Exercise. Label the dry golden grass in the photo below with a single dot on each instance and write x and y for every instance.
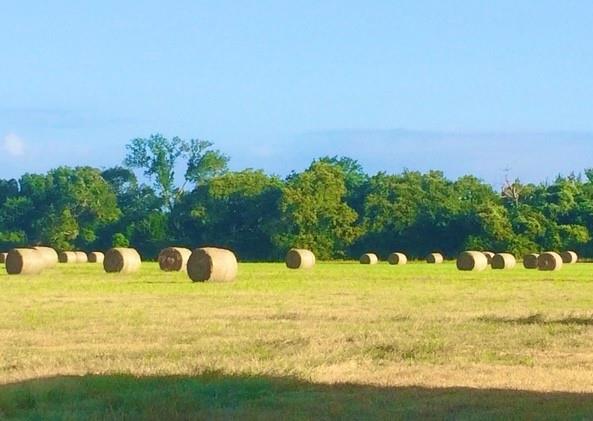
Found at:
(417, 325)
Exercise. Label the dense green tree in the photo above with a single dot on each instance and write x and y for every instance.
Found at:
(546, 217)
(481, 221)
(8, 189)
(355, 179)
(238, 210)
(333, 207)
(64, 208)
(314, 213)
(400, 209)
(420, 213)
(14, 222)
(144, 223)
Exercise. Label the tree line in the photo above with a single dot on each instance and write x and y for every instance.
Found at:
(333, 208)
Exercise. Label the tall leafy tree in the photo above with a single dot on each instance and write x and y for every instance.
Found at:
(159, 156)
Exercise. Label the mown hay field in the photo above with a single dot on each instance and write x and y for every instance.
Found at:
(342, 340)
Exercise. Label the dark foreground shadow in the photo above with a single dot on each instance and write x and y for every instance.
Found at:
(215, 396)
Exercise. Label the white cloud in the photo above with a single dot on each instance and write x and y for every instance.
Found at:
(13, 145)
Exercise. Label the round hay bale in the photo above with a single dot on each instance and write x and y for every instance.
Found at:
(300, 259)
(369, 259)
(489, 255)
(503, 261)
(549, 261)
(67, 257)
(472, 261)
(81, 257)
(3, 257)
(96, 257)
(174, 259)
(212, 264)
(23, 261)
(49, 255)
(569, 257)
(435, 258)
(397, 259)
(530, 261)
(122, 260)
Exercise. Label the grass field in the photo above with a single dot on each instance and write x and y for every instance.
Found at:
(340, 341)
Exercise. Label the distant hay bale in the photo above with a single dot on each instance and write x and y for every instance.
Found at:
(122, 260)
(212, 264)
(472, 261)
(397, 259)
(22, 261)
(49, 255)
(81, 257)
(369, 259)
(3, 257)
(174, 259)
(67, 257)
(435, 258)
(489, 255)
(300, 259)
(96, 257)
(549, 261)
(503, 261)
(530, 261)
(569, 257)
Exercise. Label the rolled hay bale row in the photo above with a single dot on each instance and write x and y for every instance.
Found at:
(122, 260)
(23, 261)
(435, 258)
(472, 261)
(96, 257)
(530, 261)
(369, 259)
(67, 257)
(489, 255)
(300, 259)
(549, 261)
(503, 261)
(174, 259)
(81, 257)
(3, 257)
(49, 255)
(569, 257)
(210, 264)
(397, 259)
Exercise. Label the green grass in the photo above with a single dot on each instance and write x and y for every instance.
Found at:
(342, 340)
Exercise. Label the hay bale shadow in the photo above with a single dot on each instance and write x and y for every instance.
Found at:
(538, 319)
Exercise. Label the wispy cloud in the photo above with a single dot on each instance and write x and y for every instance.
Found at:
(13, 145)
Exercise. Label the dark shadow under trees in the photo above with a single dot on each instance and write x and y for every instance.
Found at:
(217, 396)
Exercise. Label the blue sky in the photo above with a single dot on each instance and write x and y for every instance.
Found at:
(463, 86)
